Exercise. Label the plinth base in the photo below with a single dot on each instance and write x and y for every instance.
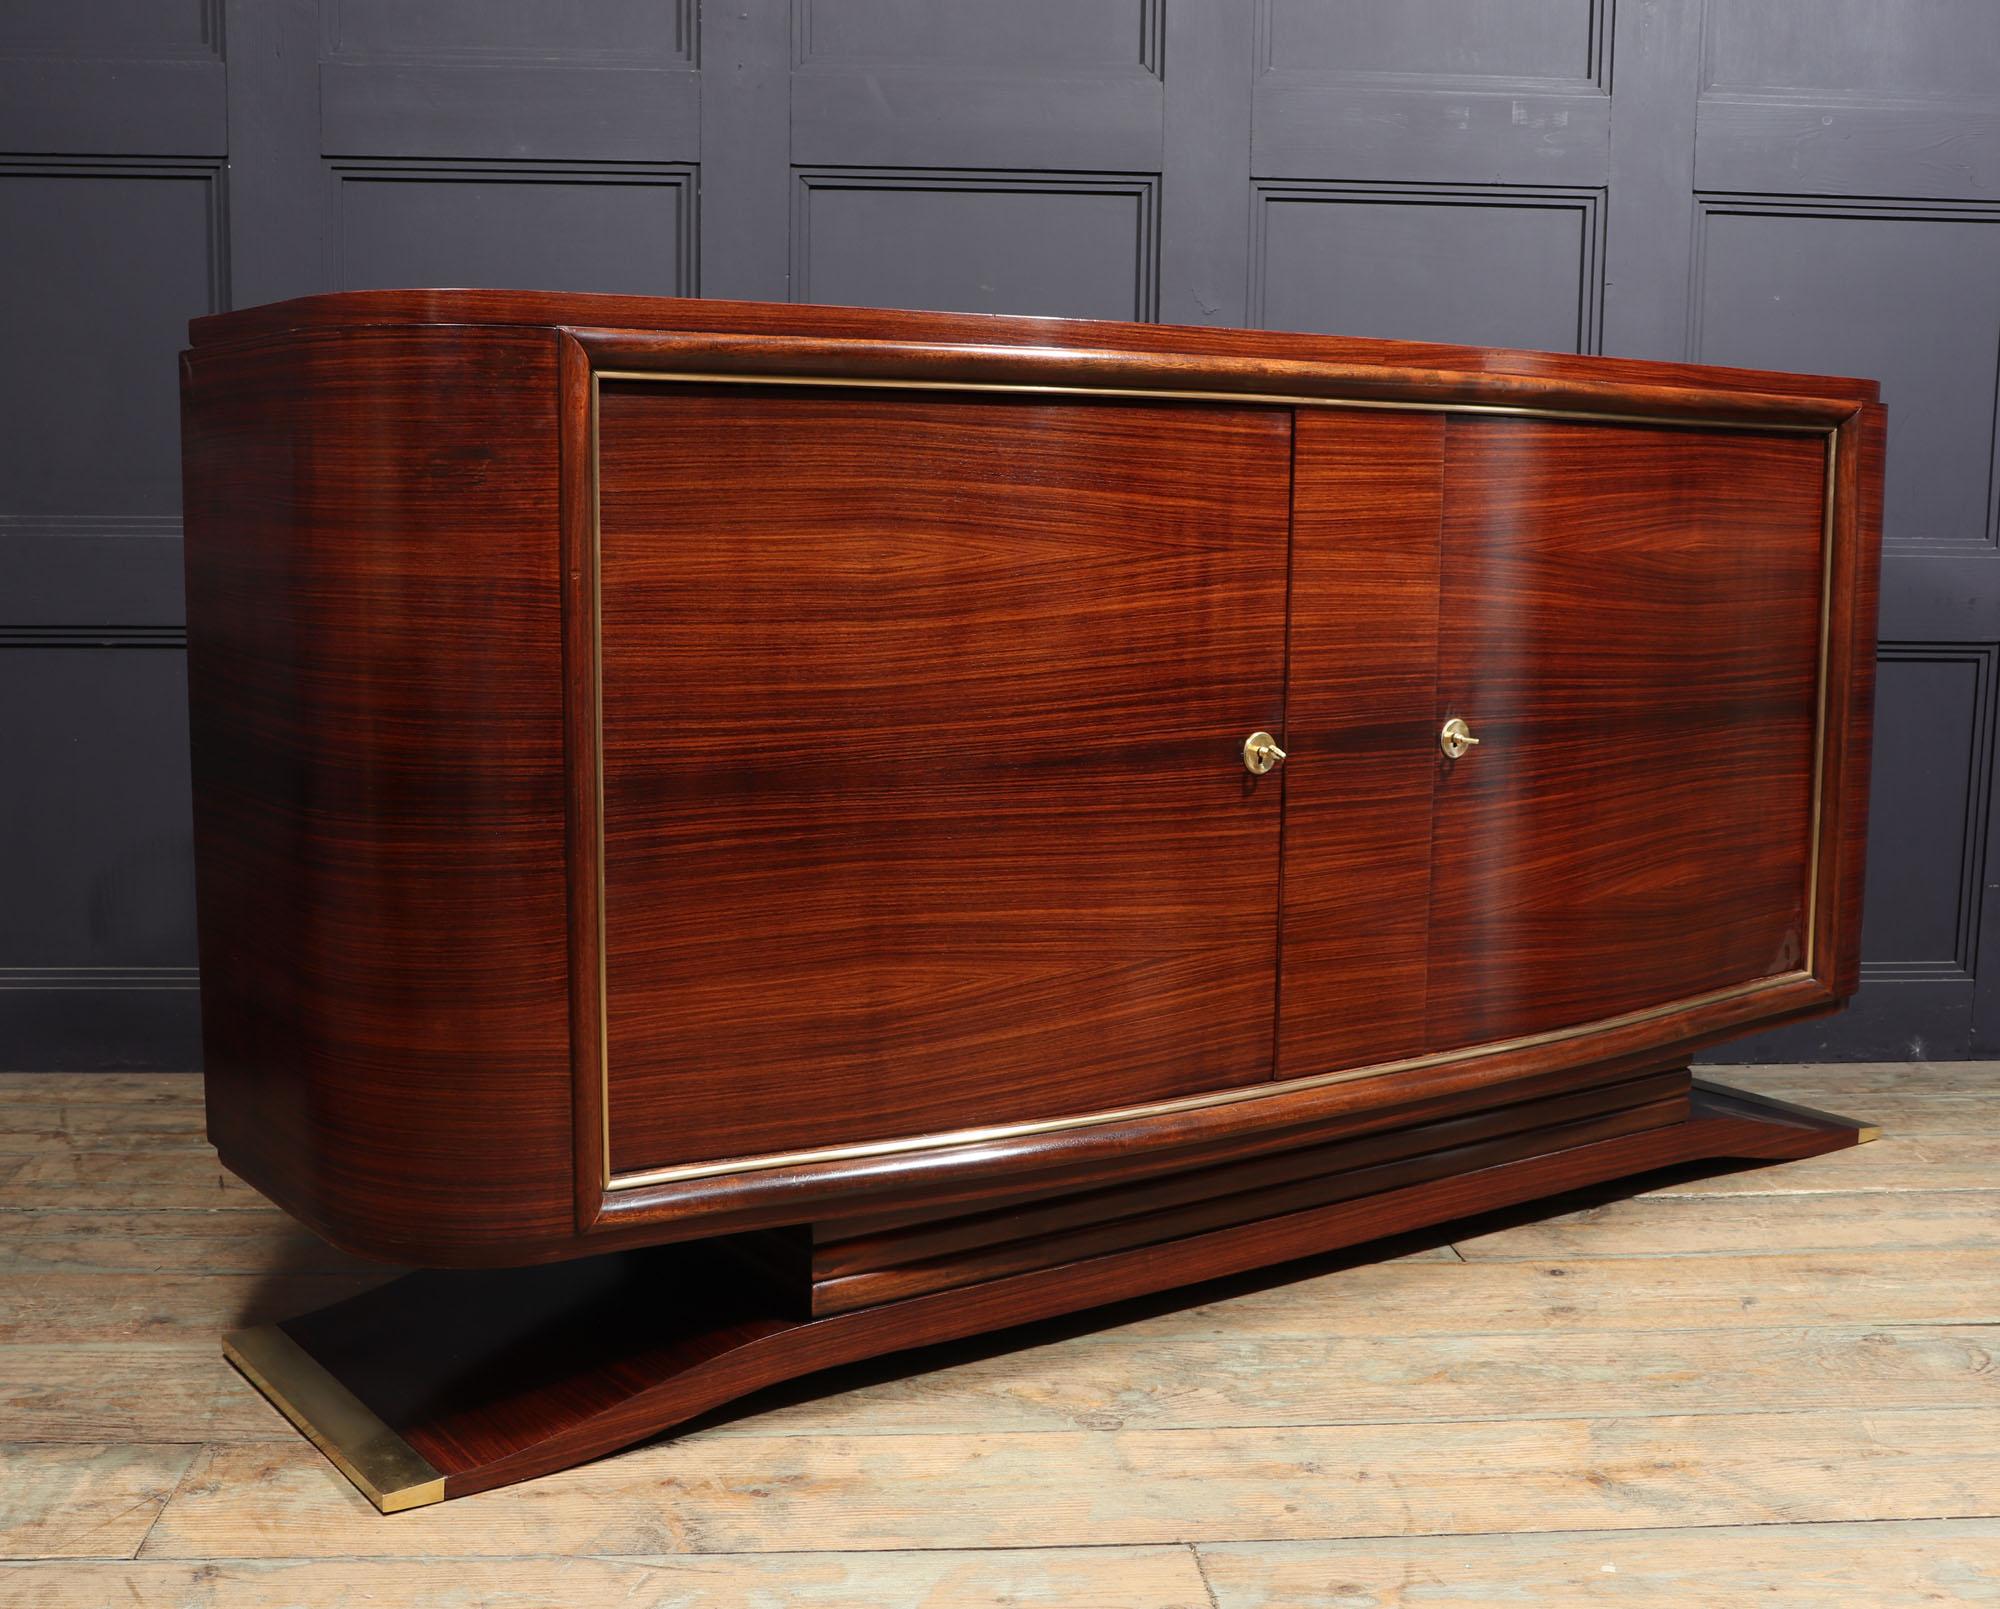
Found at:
(444, 1383)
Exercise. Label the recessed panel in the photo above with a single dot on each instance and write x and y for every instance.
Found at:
(1063, 245)
(546, 230)
(924, 796)
(1933, 711)
(1911, 301)
(1495, 271)
(1044, 35)
(95, 815)
(101, 272)
(1885, 49)
(1503, 39)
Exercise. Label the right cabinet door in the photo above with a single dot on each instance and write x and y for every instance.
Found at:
(1629, 625)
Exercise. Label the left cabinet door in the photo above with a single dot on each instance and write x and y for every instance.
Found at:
(924, 805)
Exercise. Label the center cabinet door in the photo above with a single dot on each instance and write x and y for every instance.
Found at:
(924, 805)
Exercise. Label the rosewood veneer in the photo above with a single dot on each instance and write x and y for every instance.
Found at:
(741, 837)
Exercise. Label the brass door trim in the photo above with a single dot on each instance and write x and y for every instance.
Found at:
(956, 1138)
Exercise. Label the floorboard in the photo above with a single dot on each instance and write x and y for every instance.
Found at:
(1773, 1387)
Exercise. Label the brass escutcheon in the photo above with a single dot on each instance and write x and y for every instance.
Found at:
(1261, 753)
(1456, 738)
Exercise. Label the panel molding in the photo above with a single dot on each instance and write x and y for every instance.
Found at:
(213, 171)
(56, 1018)
(1589, 201)
(80, 636)
(1984, 658)
(115, 527)
(678, 177)
(94, 978)
(1144, 188)
(28, 540)
(65, 1019)
(1709, 206)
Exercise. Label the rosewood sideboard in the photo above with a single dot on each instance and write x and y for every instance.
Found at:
(737, 838)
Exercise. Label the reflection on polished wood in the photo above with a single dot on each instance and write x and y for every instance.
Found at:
(805, 783)
(1633, 618)
(973, 867)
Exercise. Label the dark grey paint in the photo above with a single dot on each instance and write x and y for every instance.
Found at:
(894, 238)
(607, 229)
(1415, 264)
(1475, 40)
(1798, 183)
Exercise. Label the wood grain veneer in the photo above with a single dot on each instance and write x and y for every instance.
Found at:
(945, 826)
(773, 778)
(1630, 619)
(1361, 687)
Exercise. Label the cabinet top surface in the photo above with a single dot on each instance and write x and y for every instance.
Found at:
(343, 310)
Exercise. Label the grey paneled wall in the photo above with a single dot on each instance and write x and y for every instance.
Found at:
(1795, 183)
(113, 233)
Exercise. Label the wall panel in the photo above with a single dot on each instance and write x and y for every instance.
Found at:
(551, 227)
(1494, 267)
(1796, 284)
(106, 261)
(1801, 185)
(1455, 91)
(97, 949)
(1073, 245)
(112, 77)
(509, 78)
(1926, 848)
(966, 84)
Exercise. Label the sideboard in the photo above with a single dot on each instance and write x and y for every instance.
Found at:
(737, 838)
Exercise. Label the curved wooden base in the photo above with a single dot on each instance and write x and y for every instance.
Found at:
(445, 1383)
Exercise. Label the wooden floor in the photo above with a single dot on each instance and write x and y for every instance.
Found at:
(1778, 1387)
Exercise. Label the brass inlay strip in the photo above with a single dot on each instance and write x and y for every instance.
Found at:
(1152, 394)
(1819, 706)
(958, 1138)
(596, 574)
(389, 1471)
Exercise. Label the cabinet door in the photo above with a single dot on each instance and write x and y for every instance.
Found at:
(1630, 625)
(924, 802)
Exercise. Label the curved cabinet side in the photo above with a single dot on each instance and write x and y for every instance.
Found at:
(375, 677)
